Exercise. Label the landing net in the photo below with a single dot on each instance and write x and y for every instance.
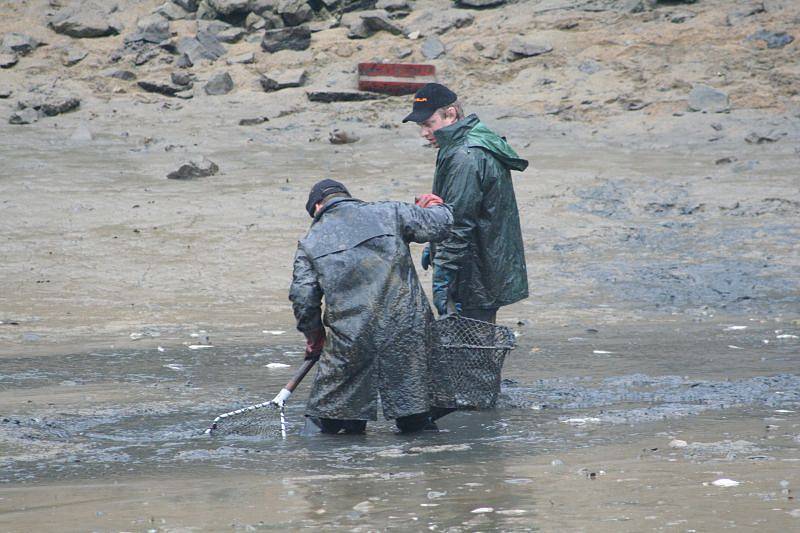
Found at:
(467, 360)
(263, 419)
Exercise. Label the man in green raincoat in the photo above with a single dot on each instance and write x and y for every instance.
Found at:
(481, 266)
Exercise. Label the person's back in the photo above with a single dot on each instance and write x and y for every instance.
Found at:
(377, 316)
(360, 253)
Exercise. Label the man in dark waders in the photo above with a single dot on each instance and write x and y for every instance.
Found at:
(481, 266)
(373, 339)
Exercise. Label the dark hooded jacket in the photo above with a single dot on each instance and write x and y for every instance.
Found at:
(377, 317)
(484, 256)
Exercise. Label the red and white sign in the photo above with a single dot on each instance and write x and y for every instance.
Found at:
(394, 78)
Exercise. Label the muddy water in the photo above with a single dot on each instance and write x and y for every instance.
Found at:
(664, 308)
(112, 440)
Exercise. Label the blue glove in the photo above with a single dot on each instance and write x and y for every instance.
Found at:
(426, 258)
(442, 279)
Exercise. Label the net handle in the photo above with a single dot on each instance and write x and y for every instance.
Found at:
(300, 374)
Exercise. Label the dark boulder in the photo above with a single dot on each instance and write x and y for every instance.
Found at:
(295, 38)
(84, 20)
(219, 83)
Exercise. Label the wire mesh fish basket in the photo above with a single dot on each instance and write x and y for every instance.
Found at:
(466, 362)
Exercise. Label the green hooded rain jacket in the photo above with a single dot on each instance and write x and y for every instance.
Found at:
(484, 257)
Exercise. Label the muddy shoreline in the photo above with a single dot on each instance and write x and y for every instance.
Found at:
(658, 352)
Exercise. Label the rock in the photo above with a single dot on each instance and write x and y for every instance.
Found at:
(188, 5)
(231, 35)
(173, 11)
(185, 95)
(19, 43)
(378, 20)
(73, 56)
(260, 7)
(492, 52)
(152, 29)
(24, 116)
(366, 23)
(432, 48)
(282, 80)
(5, 92)
(705, 98)
(84, 19)
(243, 59)
(229, 7)
(294, 12)
(196, 168)
(205, 11)
(771, 136)
(125, 75)
(633, 6)
(167, 89)
(439, 22)
(219, 83)
(181, 78)
(772, 39)
(393, 6)
(144, 56)
(342, 137)
(403, 53)
(255, 22)
(480, 4)
(211, 43)
(8, 60)
(196, 50)
(184, 61)
(50, 105)
(680, 17)
(519, 49)
(296, 38)
(739, 15)
(357, 29)
(589, 66)
(342, 96)
(57, 105)
(253, 121)
(212, 26)
(273, 21)
(678, 443)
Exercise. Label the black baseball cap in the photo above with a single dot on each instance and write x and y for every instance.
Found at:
(428, 99)
(320, 190)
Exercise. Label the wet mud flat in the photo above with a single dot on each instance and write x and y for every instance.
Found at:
(601, 428)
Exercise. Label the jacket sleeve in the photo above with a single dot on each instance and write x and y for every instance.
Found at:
(305, 294)
(462, 191)
(431, 224)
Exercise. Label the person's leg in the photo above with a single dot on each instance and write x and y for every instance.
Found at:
(332, 426)
(415, 422)
(438, 412)
(486, 315)
(354, 427)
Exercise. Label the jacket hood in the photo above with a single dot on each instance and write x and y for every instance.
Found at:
(476, 134)
(483, 137)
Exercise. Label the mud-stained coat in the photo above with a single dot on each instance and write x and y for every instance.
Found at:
(377, 316)
(485, 253)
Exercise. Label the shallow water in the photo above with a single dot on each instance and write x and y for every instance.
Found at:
(583, 406)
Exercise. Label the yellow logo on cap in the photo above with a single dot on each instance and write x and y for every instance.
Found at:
(420, 99)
